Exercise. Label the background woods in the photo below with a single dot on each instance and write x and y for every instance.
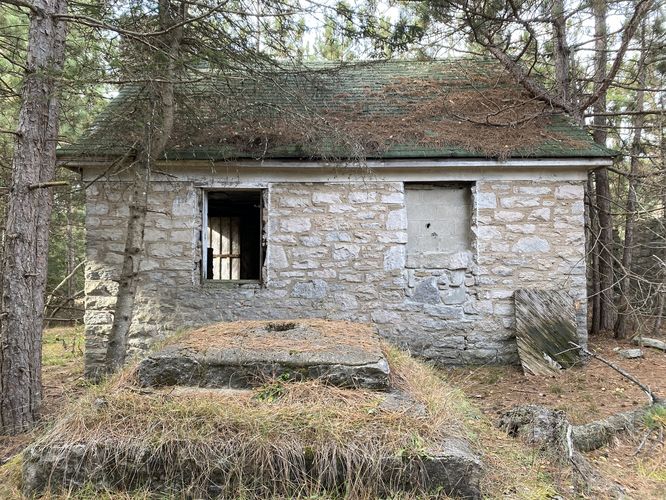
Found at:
(602, 61)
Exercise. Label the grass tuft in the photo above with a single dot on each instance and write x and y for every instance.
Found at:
(655, 418)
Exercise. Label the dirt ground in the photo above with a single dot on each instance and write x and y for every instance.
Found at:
(587, 393)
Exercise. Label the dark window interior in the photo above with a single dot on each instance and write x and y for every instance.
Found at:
(234, 235)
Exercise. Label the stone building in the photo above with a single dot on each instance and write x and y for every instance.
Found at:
(414, 195)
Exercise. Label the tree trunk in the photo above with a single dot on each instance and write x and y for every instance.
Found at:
(122, 318)
(622, 328)
(606, 267)
(27, 228)
(661, 291)
(561, 52)
(600, 135)
(659, 314)
(592, 226)
(158, 131)
(71, 251)
(603, 247)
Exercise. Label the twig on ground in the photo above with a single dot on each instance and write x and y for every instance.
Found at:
(653, 398)
(643, 441)
(525, 391)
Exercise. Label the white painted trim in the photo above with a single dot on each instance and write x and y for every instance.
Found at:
(204, 238)
(398, 163)
(217, 167)
(260, 178)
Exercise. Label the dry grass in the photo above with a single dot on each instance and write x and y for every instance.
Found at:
(296, 440)
(492, 117)
(302, 335)
(301, 440)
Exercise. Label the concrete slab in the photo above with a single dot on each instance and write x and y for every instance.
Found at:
(248, 353)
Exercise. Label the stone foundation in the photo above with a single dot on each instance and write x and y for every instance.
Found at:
(339, 251)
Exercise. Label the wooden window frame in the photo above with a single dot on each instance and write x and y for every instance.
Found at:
(205, 242)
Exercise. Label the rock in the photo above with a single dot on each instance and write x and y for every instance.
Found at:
(551, 431)
(318, 197)
(455, 296)
(569, 192)
(247, 354)
(447, 466)
(397, 401)
(532, 244)
(427, 292)
(486, 200)
(594, 435)
(454, 469)
(295, 225)
(631, 353)
(648, 342)
(444, 311)
(396, 220)
(537, 425)
(278, 257)
(394, 258)
(459, 260)
(314, 289)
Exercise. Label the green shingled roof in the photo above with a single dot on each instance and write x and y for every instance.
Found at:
(398, 109)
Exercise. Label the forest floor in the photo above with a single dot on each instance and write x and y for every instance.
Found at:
(586, 393)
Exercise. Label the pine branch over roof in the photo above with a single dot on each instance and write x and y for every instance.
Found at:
(397, 109)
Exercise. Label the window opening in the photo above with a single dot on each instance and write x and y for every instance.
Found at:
(232, 235)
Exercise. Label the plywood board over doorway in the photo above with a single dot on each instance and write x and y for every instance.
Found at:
(545, 331)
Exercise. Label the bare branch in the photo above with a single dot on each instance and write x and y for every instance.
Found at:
(37, 9)
(628, 32)
(41, 185)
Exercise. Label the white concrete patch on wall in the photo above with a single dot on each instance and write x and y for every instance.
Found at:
(439, 221)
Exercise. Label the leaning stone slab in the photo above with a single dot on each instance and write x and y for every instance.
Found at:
(545, 331)
(248, 353)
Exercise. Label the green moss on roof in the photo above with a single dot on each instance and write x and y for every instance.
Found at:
(398, 109)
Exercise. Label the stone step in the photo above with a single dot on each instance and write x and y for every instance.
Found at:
(449, 468)
(247, 354)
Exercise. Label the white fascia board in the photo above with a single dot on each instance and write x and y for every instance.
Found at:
(586, 163)
(257, 172)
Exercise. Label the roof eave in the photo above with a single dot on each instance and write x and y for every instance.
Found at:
(583, 162)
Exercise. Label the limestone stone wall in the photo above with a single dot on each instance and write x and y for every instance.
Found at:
(338, 250)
